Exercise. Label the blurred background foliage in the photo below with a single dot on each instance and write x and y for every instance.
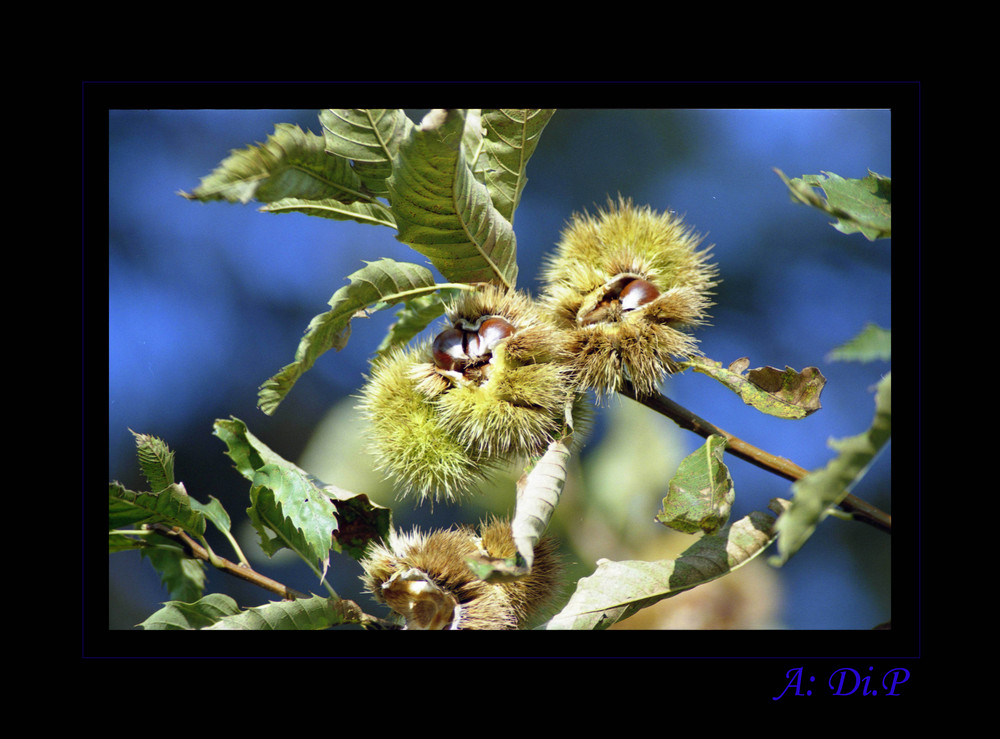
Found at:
(206, 301)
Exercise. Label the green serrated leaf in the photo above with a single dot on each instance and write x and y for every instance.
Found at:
(369, 138)
(511, 138)
(180, 616)
(873, 343)
(372, 213)
(155, 460)
(170, 506)
(701, 493)
(617, 590)
(781, 393)
(821, 490)
(860, 206)
(443, 211)
(376, 286)
(302, 614)
(292, 163)
(247, 451)
(359, 520)
(298, 514)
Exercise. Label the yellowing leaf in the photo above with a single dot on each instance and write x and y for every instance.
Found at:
(616, 590)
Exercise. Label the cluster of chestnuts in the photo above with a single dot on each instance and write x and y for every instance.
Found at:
(620, 294)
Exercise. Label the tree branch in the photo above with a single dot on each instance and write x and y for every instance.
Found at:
(859, 509)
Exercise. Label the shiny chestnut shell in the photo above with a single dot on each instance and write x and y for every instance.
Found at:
(449, 349)
(492, 331)
(455, 347)
(637, 293)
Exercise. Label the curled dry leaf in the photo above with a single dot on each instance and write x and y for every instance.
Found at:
(783, 393)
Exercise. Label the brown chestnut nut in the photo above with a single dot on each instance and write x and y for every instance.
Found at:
(637, 293)
(492, 331)
(449, 349)
(624, 294)
(454, 347)
(472, 344)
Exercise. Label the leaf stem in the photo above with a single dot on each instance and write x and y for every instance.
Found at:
(244, 562)
(859, 509)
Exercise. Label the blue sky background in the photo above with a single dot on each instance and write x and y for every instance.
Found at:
(206, 301)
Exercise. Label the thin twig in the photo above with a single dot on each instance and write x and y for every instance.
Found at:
(860, 509)
(197, 551)
(350, 608)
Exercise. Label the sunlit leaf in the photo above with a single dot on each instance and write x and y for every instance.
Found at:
(247, 451)
(443, 212)
(378, 285)
(357, 519)
(292, 163)
(368, 138)
(221, 613)
(214, 512)
(373, 213)
(617, 590)
(155, 460)
(538, 493)
(289, 512)
(302, 614)
(179, 616)
(511, 138)
(414, 316)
